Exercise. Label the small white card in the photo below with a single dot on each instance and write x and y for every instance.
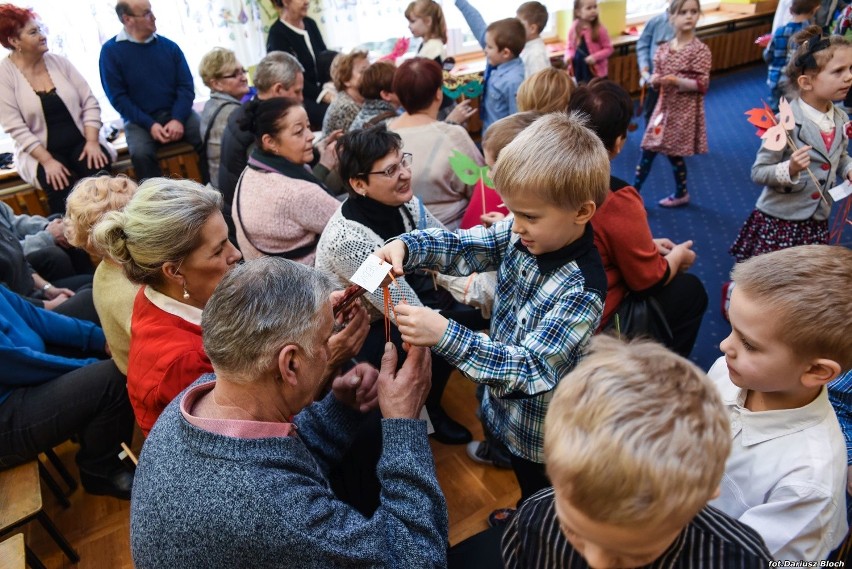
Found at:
(424, 414)
(844, 190)
(371, 273)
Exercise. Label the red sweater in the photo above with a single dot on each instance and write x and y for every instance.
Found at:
(166, 355)
(629, 254)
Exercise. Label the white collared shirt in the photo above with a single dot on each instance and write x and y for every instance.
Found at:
(124, 36)
(786, 476)
(824, 121)
(167, 304)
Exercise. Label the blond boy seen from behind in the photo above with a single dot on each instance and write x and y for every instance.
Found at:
(635, 440)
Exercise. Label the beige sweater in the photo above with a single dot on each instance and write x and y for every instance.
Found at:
(114, 295)
(432, 178)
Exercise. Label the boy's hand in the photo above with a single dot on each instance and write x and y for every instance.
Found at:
(849, 176)
(800, 160)
(393, 253)
(849, 481)
(492, 217)
(461, 113)
(420, 326)
(664, 245)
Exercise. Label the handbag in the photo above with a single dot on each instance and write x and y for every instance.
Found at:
(641, 316)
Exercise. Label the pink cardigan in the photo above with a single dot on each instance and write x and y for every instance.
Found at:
(601, 49)
(22, 116)
(279, 213)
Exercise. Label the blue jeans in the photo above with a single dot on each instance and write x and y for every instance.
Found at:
(143, 148)
(90, 402)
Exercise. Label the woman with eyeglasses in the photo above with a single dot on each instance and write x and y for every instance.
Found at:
(381, 205)
(418, 84)
(280, 208)
(47, 107)
(228, 82)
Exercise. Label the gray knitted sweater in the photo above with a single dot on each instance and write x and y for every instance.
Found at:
(205, 500)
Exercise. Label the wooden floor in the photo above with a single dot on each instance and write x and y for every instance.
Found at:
(98, 527)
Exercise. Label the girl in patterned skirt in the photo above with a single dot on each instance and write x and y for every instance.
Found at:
(794, 206)
(677, 127)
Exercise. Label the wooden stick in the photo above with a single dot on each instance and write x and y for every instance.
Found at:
(482, 191)
(130, 454)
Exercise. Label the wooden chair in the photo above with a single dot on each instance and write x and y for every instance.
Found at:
(50, 481)
(20, 502)
(12, 555)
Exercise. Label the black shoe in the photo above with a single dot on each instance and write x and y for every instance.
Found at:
(117, 485)
(447, 430)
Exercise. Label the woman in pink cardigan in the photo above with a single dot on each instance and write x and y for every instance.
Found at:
(48, 109)
(588, 48)
(280, 207)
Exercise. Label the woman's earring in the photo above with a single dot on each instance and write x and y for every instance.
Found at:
(185, 292)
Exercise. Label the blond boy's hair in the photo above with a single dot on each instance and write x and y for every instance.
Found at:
(546, 91)
(636, 434)
(807, 290)
(502, 132)
(92, 198)
(557, 159)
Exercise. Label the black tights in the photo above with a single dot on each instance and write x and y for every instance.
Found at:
(678, 166)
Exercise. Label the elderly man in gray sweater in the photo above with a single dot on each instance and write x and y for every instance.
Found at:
(235, 471)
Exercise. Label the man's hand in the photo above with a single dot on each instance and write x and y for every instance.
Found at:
(799, 161)
(56, 173)
(158, 133)
(358, 389)
(174, 130)
(94, 155)
(344, 344)
(56, 228)
(402, 393)
(420, 326)
(393, 253)
(327, 148)
(54, 302)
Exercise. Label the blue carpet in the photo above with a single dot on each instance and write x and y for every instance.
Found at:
(721, 191)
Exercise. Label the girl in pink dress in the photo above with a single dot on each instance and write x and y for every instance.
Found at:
(677, 127)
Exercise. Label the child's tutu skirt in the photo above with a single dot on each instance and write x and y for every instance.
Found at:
(762, 233)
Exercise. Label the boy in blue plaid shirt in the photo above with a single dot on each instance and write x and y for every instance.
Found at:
(781, 47)
(550, 283)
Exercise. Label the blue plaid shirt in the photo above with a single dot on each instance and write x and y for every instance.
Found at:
(546, 308)
(840, 395)
(780, 49)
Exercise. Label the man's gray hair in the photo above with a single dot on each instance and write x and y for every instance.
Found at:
(276, 67)
(258, 308)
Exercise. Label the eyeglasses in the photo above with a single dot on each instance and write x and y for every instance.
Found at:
(236, 73)
(392, 170)
(147, 14)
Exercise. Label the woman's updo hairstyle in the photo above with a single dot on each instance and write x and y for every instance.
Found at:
(813, 54)
(161, 224)
(265, 116)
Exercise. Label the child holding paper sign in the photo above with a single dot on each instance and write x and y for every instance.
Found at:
(550, 283)
(794, 207)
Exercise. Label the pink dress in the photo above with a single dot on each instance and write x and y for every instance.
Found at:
(677, 127)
